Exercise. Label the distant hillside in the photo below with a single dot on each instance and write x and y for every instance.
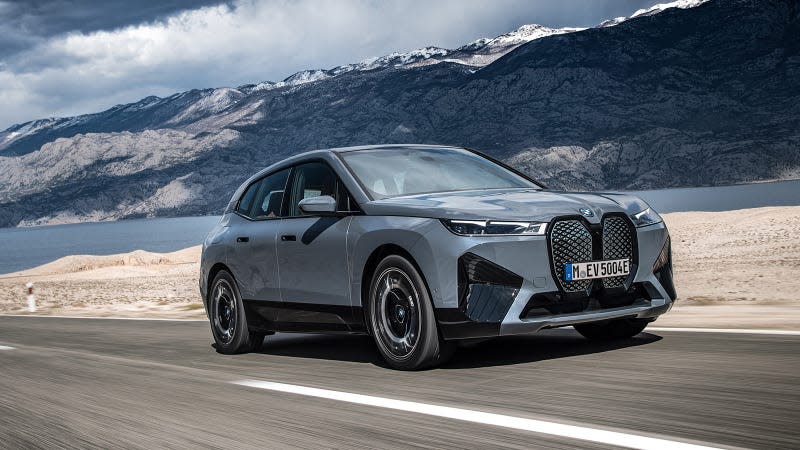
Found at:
(672, 97)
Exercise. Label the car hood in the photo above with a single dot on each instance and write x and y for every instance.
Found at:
(506, 204)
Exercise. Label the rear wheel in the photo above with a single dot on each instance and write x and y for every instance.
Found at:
(401, 319)
(228, 320)
(612, 329)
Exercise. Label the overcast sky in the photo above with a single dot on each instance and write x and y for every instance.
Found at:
(68, 57)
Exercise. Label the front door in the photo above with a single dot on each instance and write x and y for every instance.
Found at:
(312, 255)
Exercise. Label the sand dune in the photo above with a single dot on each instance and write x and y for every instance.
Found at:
(135, 284)
(732, 269)
(84, 263)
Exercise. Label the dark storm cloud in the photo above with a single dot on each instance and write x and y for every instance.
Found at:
(61, 57)
(27, 22)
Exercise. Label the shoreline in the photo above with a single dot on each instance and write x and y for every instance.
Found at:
(733, 269)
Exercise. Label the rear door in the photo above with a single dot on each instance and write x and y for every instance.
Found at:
(312, 253)
(253, 259)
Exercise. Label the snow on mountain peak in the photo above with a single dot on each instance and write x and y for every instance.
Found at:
(212, 101)
(426, 55)
(302, 77)
(612, 22)
(476, 55)
(655, 9)
(521, 35)
(527, 33)
(263, 86)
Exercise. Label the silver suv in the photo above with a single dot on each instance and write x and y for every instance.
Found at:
(420, 246)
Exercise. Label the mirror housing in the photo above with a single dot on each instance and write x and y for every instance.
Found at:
(323, 205)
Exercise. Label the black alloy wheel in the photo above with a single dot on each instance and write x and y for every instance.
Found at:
(401, 318)
(228, 320)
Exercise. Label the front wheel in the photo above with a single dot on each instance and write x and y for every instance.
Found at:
(401, 319)
(228, 320)
(612, 329)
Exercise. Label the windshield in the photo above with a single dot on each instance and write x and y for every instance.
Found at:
(394, 172)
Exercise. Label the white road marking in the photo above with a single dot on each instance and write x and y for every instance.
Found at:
(726, 330)
(106, 318)
(5, 347)
(537, 426)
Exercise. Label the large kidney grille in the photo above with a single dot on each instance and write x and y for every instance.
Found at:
(571, 241)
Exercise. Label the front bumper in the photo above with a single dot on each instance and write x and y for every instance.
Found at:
(538, 301)
(640, 309)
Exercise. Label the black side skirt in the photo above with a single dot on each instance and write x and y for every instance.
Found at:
(266, 316)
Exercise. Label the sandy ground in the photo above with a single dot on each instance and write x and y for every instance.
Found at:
(136, 284)
(736, 268)
(733, 269)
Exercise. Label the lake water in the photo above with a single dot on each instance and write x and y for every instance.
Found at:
(723, 198)
(23, 248)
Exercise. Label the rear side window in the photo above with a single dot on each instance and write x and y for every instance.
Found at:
(270, 196)
(246, 202)
(263, 199)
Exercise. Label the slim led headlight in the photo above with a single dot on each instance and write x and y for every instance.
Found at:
(494, 227)
(645, 218)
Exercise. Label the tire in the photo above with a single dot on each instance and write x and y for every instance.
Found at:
(228, 320)
(400, 317)
(612, 329)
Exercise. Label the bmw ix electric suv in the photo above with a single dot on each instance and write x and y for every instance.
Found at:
(420, 246)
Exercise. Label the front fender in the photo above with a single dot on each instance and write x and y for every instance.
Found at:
(368, 233)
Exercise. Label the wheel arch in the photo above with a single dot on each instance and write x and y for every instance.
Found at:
(375, 258)
(212, 273)
(378, 236)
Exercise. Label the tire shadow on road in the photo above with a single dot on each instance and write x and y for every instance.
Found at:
(552, 344)
(349, 348)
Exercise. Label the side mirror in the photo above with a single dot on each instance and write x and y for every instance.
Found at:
(323, 205)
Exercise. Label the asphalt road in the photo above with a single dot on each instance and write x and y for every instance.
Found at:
(120, 383)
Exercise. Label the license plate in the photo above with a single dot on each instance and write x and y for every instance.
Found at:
(596, 269)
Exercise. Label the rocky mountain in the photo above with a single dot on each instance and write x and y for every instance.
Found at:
(185, 108)
(685, 93)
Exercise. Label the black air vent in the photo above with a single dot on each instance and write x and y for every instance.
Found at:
(486, 290)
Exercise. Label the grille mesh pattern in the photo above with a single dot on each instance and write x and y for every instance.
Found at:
(617, 244)
(570, 242)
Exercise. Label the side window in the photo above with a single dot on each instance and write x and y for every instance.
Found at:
(267, 195)
(270, 196)
(246, 202)
(343, 200)
(311, 180)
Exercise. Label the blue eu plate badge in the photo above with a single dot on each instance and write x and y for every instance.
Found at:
(596, 269)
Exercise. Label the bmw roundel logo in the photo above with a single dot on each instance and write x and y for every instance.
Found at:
(587, 212)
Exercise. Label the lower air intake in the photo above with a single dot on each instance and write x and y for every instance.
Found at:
(486, 290)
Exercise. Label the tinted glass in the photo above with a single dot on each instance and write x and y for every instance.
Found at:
(246, 202)
(407, 171)
(270, 196)
(311, 180)
(344, 202)
(262, 200)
